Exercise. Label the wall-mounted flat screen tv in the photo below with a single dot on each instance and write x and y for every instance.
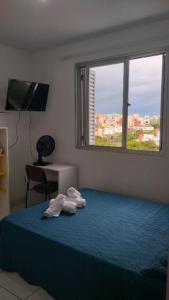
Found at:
(25, 95)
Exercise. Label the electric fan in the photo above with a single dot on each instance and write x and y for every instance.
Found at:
(45, 146)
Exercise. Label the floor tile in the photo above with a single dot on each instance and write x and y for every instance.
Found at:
(40, 295)
(5, 295)
(16, 285)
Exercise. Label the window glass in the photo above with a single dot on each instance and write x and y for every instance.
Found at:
(106, 105)
(145, 79)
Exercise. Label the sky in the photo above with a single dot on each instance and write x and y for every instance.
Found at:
(144, 87)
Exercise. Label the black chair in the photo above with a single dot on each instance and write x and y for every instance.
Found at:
(42, 185)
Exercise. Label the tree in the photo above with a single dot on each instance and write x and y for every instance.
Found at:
(148, 145)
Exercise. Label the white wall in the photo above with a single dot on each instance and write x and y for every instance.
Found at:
(131, 174)
(15, 63)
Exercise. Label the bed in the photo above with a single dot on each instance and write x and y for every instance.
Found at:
(102, 252)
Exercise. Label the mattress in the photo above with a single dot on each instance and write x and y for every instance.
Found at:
(98, 253)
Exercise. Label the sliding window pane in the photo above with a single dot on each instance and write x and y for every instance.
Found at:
(106, 105)
(144, 113)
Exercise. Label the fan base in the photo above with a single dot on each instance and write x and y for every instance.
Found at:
(42, 163)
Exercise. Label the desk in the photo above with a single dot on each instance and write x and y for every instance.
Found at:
(66, 175)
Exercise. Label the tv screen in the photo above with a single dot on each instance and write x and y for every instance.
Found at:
(25, 95)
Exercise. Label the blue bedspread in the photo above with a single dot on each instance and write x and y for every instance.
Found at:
(99, 253)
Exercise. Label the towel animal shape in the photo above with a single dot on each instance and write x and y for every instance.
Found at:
(75, 196)
(68, 203)
(72, 192)
(68, 206)
(55, 207)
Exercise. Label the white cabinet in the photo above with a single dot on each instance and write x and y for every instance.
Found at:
(66, 175)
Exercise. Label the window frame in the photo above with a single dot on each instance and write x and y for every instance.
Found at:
(82, 105)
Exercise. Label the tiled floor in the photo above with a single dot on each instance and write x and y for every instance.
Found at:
(13, 287)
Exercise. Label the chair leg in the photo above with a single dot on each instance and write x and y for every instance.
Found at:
(46, 196)
(26, 204)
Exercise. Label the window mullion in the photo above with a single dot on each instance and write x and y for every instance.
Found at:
(82, 121)
(86, 107)
(163, 84)
(125, 103)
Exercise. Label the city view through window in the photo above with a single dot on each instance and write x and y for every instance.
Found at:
(144, 104)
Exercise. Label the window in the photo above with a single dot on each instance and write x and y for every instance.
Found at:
(119, 103)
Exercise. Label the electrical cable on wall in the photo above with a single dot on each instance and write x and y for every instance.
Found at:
(2, 107)
(17, 135)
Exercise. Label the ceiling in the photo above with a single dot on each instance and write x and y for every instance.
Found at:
(37, 24)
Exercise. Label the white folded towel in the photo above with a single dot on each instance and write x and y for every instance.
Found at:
(75, 196)
(51, 201)
(55, 207)
(68, 203)
(80, 202)
(70, 207)
(72, 192)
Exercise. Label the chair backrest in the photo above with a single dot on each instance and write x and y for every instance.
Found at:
(35, 174)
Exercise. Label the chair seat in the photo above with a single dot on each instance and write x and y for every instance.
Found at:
(52, 186)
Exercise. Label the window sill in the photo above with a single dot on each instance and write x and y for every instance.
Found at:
(121, 150)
